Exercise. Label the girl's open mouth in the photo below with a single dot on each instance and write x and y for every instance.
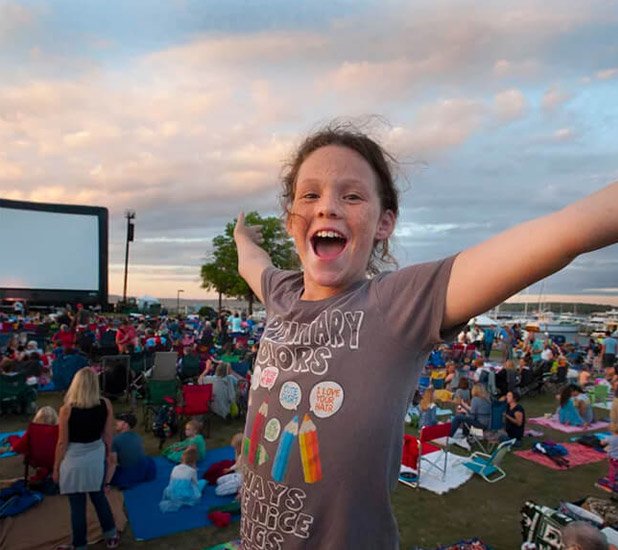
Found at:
(328, 244)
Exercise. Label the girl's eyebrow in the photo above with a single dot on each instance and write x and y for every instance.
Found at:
(345, 181)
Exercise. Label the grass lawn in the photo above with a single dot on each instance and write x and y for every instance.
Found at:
(489, 511)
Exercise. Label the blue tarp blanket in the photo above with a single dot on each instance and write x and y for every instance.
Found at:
(3, 442)
(50, 386)
(142, 501)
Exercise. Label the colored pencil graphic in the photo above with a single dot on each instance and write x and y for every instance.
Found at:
(261, 456)
(256, 431)
(246, 442)
(310, 451)
(282, 456)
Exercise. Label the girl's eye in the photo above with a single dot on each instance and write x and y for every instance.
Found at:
(352, 197)
(309, 195)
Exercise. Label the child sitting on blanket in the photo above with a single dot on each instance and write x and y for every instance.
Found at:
(19, 444)
(230, 483)
(184, 489)
(193, 438)
(568, 414)
(582, 404)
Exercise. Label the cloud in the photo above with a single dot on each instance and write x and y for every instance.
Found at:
(607, 74)
(527, 67)
(189, 128)
(563, 134)
(10, 171)
(15, 19)
(436, 127)
(510, 105)
(553, 98)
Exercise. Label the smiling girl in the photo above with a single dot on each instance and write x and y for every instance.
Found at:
(344, 343)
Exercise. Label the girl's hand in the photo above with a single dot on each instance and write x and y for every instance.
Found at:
(252, 233)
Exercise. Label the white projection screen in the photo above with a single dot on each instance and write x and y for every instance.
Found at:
(53, 252)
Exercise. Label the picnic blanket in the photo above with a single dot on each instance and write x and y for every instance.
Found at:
(431, 478)
(578, 455)
(3, 437)
(555, 425)
(50, 386)
(542, 526)
(48, 524)
(142, 501)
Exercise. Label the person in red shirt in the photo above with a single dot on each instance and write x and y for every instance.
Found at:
(65, 336)
(126, 337)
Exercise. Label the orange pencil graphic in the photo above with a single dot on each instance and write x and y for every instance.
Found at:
(310, 451)
(256, 431)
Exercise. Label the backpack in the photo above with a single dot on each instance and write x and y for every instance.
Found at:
(554, 451)
(165, 423)
(590, 441)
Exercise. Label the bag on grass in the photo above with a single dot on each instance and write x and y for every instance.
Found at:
(590, 441)
(554, 451)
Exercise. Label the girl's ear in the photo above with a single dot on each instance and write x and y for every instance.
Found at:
(288, 224)
(386, 225)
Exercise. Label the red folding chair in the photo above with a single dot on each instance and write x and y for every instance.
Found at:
(417, 450)
(38, 445)
(195, 400)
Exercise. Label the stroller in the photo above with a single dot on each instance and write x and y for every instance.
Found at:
(532, 381)
(553, 383)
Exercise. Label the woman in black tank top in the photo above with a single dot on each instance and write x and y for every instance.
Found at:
(84, 446)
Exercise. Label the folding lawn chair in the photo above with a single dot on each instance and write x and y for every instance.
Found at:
(39, 448)
(189, 367)
(15, 394)
(164, 365)
(195, 400)
(157, 394)
(421, 449)
(115, 375)
(600, 393)
(488, 465)
(487, 438)
(107, 343)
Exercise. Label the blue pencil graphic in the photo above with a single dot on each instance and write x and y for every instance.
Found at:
(282, 456)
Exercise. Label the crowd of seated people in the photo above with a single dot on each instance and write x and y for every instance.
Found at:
(534, 362)
(81, 336)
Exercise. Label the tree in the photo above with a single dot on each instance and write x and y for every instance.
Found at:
(221, 272)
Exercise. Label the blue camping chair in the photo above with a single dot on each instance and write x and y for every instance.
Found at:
(488, 466)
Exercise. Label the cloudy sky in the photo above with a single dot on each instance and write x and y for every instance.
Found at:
(184, 111)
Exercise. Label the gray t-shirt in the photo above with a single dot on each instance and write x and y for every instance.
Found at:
(480, 409)
(324, 431)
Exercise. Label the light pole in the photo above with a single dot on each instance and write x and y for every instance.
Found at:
(130, 215)
(178, 301)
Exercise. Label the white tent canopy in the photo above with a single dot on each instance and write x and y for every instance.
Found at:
(146, 301)
(483, 321)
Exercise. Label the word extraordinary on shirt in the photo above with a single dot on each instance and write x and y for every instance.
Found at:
(307, 347)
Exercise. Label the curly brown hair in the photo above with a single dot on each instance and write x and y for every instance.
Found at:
(381, 162)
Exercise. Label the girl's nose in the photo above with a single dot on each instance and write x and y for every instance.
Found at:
(329, 207)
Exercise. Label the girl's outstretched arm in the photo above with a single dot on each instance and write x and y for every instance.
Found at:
(485, 275)
(252, 259)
